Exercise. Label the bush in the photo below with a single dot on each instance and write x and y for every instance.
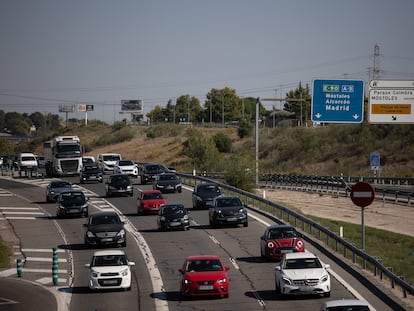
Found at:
(223, 142)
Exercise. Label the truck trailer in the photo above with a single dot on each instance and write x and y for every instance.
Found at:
(63, 156)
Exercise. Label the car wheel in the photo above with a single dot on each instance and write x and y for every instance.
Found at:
(226, 296)
(246, 224)
(108, 194)
(328, 294)
(123, 244)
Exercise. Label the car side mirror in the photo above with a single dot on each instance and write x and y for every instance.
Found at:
(262, 237)
(327, 266)
(131, 263)
(226, 268)
(85, 225)
(277, 268)
(181, 270)
(87, 265)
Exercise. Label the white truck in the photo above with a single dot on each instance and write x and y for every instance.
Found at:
(63, 156)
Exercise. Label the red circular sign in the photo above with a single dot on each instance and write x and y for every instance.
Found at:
(362, 194)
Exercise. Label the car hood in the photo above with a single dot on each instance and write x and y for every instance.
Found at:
(127, 167)
(106, 228)
(283, 242)
(174, 217)
(206, 275)
(106, 269)
(72, 203)
(314, 273)
(229, 210)
(59, 190)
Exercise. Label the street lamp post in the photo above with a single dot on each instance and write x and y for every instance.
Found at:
(222, 109)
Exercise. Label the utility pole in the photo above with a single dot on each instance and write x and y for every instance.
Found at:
(376, 69)
(222, 109)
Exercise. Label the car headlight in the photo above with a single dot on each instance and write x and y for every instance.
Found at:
(223, 280)
(241, 210)
(324, 278)
(121, 233)
(286, 280)
(94, 274)
(89, 234)
(199, 199)
(162, 218)
(185, 217)
(61, 206)
(125, 272)
(270, 244)
(129, 187)
(187, 281)
(178, 185)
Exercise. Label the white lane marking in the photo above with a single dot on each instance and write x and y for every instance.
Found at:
(212, 237)
(21, 218)
(23, 213)
(42, 270)
(19, 208)
(234, 263)
(46, 281)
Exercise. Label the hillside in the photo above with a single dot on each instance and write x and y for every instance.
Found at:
(324, 150)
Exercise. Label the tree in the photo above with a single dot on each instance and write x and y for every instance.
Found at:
(301, 109)
(188, 109)
(225, 99)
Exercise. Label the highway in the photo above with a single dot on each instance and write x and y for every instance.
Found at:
(158, 255)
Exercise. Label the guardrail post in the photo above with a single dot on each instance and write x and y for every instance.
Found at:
(392, 281)
(55, 267)
(19, 266)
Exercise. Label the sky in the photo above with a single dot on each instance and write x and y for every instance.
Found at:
(99, 52)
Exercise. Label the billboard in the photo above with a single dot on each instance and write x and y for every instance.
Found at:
(135, 106)
(84, 108)
(66, 108)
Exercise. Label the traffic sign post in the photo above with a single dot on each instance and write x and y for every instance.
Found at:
(362, 194)
(337, 101)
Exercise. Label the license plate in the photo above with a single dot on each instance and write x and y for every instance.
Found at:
(106, 240)
(175, 223)
(285, 251)
(205, 287)
(110, 282)
(232, 219)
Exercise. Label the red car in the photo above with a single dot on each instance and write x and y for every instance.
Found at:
(204, 275)
(150, 201)
(278, 240)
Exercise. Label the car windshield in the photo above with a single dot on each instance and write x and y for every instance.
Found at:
(167, 177)
(208, 189)
(60, 184)
(109, 260)
(282, 233)
(120, 179)
(125, 163)
(152, 196)
(229, 202)
(173, 210)
(204, 265)
(73, 197)
(91, 168)
(110, 158)
(152, 168)
(302, 263)
(105, 220)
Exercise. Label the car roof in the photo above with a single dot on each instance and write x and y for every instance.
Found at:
(345, 302)
(300, 255)
(279, 227)
(202, 257)
(109, 252)
(109, 213)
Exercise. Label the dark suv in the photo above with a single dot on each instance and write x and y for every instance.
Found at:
(149, 171)
(105, 228)
(119, 184)
(227, 210)
(90, 172)
(72, 203)
(204, 194)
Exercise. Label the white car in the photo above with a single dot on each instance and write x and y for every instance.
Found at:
(109, 269)
(126, 167)
(302, 274)
(346, 305)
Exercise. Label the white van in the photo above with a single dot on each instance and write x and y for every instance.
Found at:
(26, 161)
(107, 161)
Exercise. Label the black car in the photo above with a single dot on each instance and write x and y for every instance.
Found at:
(72, 203)
(90, 172)
(119, 184)
(55, 187)
(105, 228)
(203, 195)
(227, 210)
(149, 171)
(167, 182)
(173, 216)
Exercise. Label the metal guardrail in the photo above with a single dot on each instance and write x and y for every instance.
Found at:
(313, 228)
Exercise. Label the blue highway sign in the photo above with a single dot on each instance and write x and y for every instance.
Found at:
(337, 101)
